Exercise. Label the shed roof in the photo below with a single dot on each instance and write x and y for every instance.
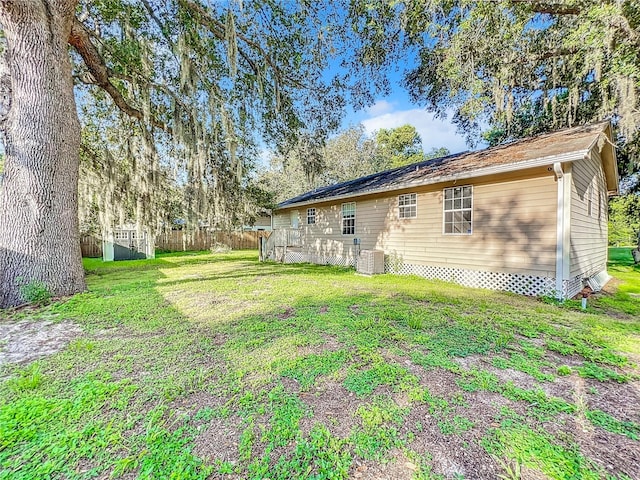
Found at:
(565, 145)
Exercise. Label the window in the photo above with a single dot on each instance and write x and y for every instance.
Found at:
(121, 236)
(457, 210)
(311, 216)
(600, 205)
(590, 200)
(407, 205)
(349, 218)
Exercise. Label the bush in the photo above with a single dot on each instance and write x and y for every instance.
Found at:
(35, 292)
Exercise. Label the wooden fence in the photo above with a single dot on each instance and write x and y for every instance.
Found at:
(177, 240)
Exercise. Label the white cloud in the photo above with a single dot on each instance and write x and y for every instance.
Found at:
(435, 132)
(379, 108)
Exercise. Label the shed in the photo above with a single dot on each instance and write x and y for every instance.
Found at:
(528, 217)
(126, 242)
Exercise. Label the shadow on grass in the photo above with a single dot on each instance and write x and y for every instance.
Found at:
(621, 256)
(136, 394)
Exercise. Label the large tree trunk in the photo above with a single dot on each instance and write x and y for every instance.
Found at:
(39, 238)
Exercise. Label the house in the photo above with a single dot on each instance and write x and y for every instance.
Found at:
(529, 217)
(262, 222)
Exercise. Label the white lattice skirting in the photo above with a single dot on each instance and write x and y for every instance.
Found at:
(509, 282)
(571, 287)
(320, 259)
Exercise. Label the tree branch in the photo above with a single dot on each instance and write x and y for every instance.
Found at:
(563, 52)
(80, 40)
(551, 8)
(622, 23)
(218, 29)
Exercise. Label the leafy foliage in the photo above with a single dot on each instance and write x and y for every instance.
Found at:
(522, 67)
(624, 219)
(398, 146)
(202, 88)
(348, 155)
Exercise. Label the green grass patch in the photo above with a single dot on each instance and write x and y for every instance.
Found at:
(531, 366)
(364, 382)
(306, 369)
(611, 424)
(603, 374)
(173, 345)
(379, 432)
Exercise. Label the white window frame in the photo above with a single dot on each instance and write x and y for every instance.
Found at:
(453, 210)
(311, 216)
(342, 218)
(403, 206)
(590, 200)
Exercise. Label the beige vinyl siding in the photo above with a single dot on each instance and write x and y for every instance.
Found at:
(282, 219)
(514, 226)
(588, 232)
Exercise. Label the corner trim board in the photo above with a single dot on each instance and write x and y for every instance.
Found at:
(563, 227)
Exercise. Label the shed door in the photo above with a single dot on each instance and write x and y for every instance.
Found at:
(127, 247)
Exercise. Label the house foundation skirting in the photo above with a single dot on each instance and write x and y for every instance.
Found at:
(319, 259)
(510, 282)
(571, 287)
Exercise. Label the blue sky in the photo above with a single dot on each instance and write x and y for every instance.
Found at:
(396, 110)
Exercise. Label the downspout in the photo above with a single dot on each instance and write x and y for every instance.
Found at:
(563, 232)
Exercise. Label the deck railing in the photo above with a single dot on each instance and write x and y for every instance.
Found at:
(280, 239)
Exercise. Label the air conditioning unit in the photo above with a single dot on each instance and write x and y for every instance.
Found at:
(370, 262)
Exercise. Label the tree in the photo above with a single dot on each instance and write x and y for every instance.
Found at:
(436, 153)
(398, 146)
(348, 155)
(624, 219)
(519, 66)
(39, 240)
(175, 87)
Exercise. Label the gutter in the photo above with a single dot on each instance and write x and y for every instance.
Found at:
(511, 167)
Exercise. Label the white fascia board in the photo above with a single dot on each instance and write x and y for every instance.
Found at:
(493, 170)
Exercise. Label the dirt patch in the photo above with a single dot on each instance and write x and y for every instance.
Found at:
(191, 404)
(615, 454)
(288, 313)
(333, 406)
(330, 344)
(26, 341)
(323, 309)
(451, 456)
(559, 359)
(621, 400)
(398, 468)
(440, 382)
(220, 440)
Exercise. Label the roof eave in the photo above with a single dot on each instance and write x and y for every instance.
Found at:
(481, 172)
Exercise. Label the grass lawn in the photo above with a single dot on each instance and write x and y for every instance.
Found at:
(217, 366)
